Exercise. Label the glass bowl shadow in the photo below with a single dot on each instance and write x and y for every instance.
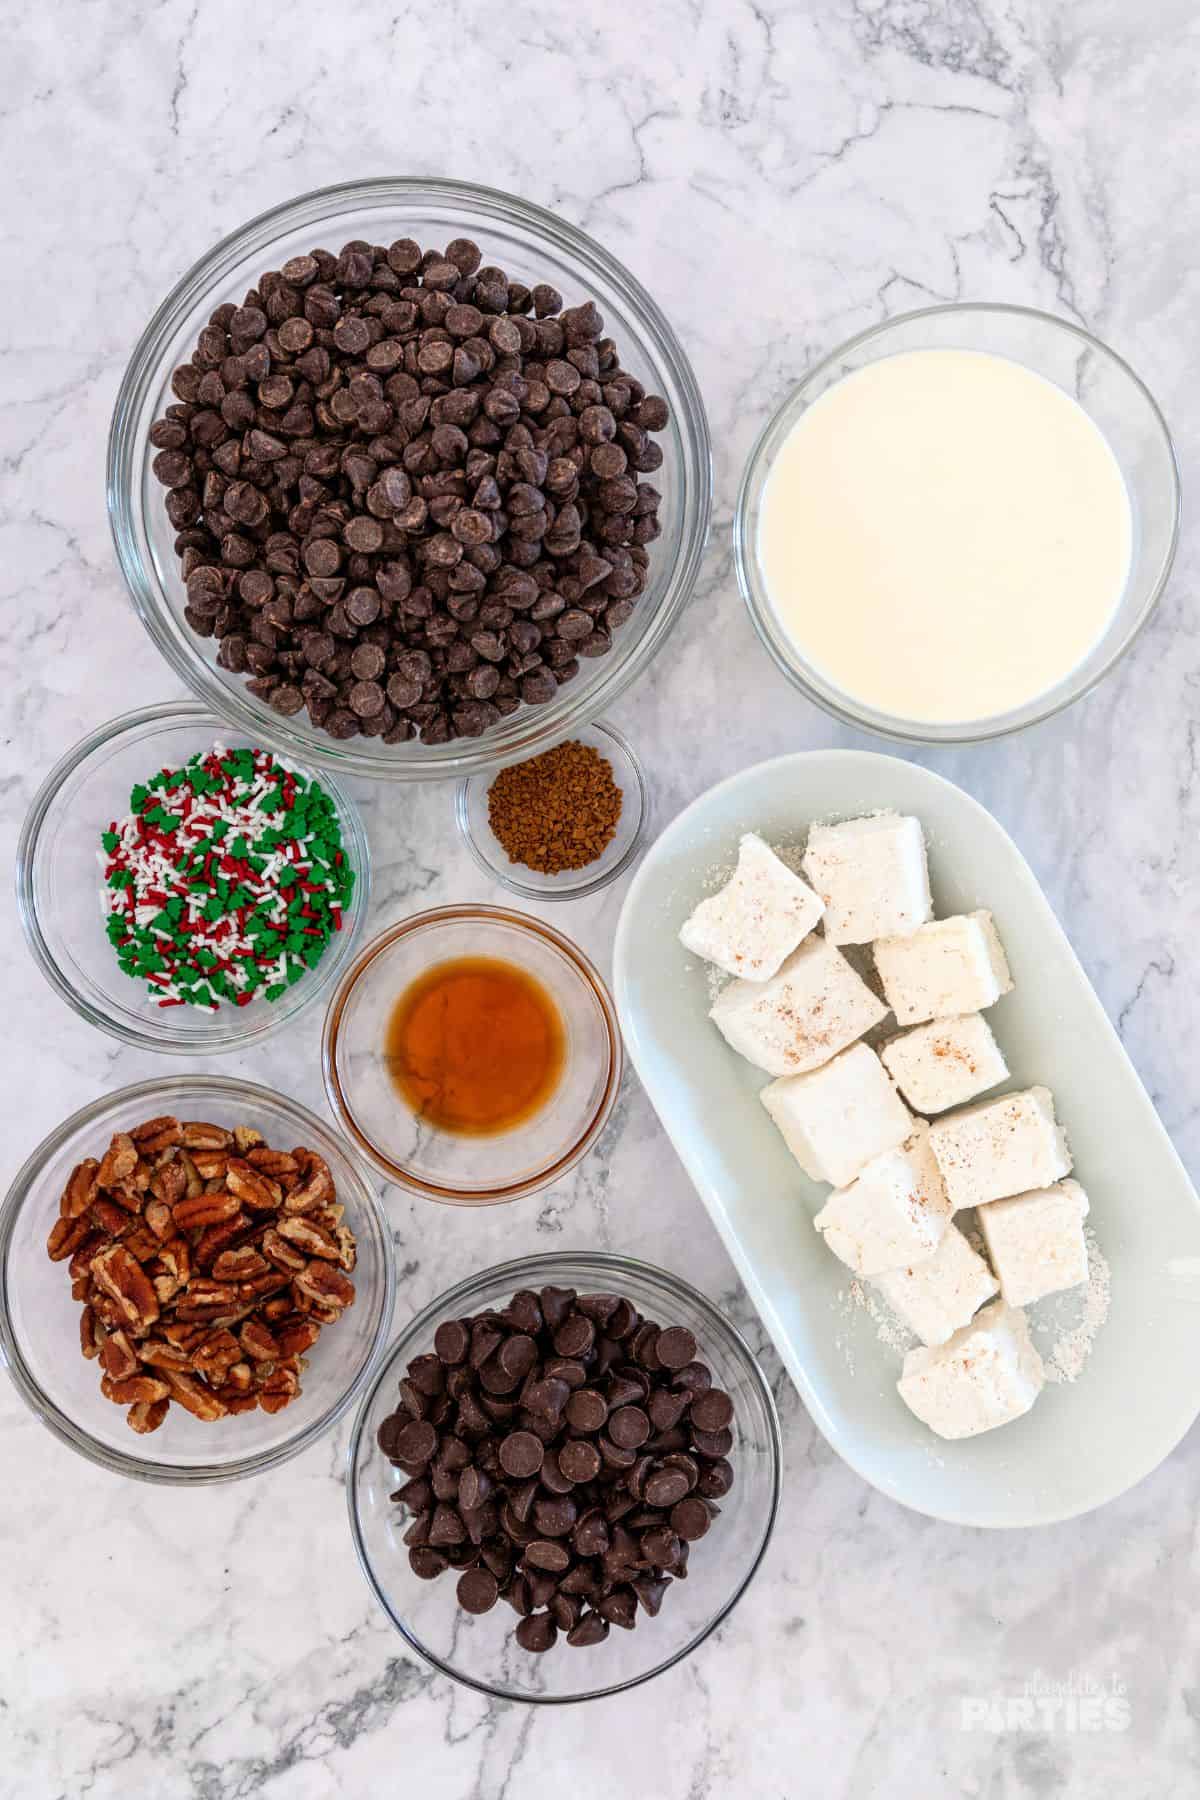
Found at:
(59, 885)
(532, 245)
(480, 1651)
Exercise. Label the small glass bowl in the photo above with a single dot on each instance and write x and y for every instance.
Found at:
(438, 1165)
(59, 883)
(471, 815)
(39, 1321)
(480, 1651)
(532, 245)
(1108, 391)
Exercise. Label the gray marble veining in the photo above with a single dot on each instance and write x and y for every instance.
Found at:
(779, 174)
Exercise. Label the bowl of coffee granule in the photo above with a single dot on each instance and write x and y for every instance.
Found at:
(560, 824)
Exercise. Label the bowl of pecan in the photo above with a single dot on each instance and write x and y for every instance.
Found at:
(195, 1280)
(564, 1477)
(411, 477)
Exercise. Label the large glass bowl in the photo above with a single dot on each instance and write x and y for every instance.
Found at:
(532, 245)
(59, 885)
(481, 1651)
(39, 1321)
(1108, 391)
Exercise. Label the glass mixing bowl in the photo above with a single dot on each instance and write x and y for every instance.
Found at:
(1108, 391)
(532, 245)
(39, 1321)
(479, 1650)
(471, 816)
(404, 1147)
(59, 880)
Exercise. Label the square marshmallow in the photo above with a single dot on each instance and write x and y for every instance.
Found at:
(935, 1297)
(1036, 1241)
(987, 1374)
(945, 1063)
(892, 1215)
(815, 1006)
(835, 1119)
(872, 876)
(1000, 1147)
(948, 967)
(756, 919)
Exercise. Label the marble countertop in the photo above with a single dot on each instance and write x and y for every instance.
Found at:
(779, 175)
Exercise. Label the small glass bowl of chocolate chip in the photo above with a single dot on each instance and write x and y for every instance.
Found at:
(564, 1476)
(409, 477)
(195, 1280)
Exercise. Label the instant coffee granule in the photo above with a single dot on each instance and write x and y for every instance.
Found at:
(557, 811)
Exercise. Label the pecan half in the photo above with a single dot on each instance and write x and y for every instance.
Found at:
(215, 1355)
(259, 1193)
(295, 1339)
(90, 1339)
(246, 1138)
(283, 1255)
(199, 1135)
(157, 1134)
(310, 1238)
(168, 1183)
(205, 1209)
(259, 1344)
(80, 1190)
(158, 1354)
(273, 1163)
(127, 1286)
(142, 1389)
(117, 1356)
(239, 1265)
(211, 1164)
(322, 1282)
(110, 1220)
(194, 1396)
(66, 1235)
(118, 1161)
(315, 1188)
(144, 1418)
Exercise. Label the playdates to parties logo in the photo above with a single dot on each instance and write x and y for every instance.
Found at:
(1080, 1703)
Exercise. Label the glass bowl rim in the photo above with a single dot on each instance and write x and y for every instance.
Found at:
(335, 1094)
(566, 891)
(167, 713)
(980, 731)
(122, 479)
(59, 1423)
(521, 1271)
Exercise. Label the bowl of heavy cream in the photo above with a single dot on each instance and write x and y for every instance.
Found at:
(958, 522)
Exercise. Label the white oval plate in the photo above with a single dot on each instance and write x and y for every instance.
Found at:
(1084, 1442)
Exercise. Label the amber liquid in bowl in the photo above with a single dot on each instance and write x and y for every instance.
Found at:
(475, 1046)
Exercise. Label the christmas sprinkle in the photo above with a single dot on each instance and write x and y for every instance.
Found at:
(225, 881)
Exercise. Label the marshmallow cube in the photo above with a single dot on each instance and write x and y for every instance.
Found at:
(1036, 1241)
(935, 1297)
(893, 1214)
(987, 1374)
(945, 1063)
(835, 1119)
(756, 919)
(1000, 1147)
(815, 1006)
(948, 967)
(872, 875)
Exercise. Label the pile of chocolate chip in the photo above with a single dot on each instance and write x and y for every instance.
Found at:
(405, 489)
(563, 1454)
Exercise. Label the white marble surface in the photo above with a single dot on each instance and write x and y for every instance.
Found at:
(779, 175)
